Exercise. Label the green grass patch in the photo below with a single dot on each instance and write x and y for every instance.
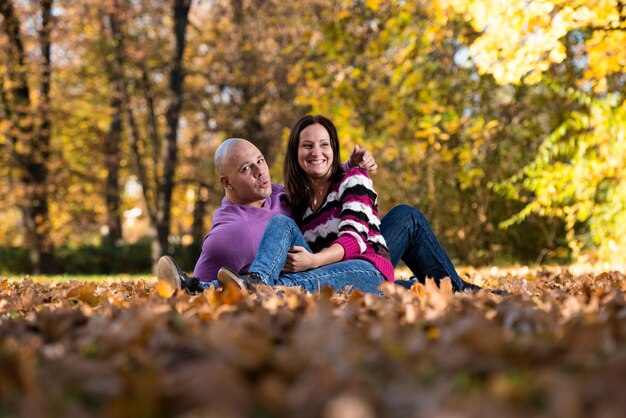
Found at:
(82, 278)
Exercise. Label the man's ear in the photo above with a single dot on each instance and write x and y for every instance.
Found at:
(225, 182)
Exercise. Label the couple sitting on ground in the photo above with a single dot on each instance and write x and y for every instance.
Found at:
(336, 240)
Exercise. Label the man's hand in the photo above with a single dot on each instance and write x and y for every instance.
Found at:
(362, 157)
(298, 259)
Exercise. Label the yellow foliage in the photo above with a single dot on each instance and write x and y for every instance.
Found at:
(520, 40)
(607, 55)
(373, 4)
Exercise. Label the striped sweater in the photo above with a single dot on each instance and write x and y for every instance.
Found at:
(349, 217)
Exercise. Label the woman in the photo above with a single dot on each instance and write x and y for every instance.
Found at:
(338, 241)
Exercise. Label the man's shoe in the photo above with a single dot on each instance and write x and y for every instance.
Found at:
(470, 287)
(168, 270)
(228, 277)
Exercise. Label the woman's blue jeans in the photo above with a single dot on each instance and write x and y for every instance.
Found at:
(281, 233)
(411, 239)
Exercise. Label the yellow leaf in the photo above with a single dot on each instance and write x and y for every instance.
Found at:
(531, 278)
(344, 14)
(372, 4)
(164, 289)
(85, 292)
(418, 290)
(433, 333)
(231, 295)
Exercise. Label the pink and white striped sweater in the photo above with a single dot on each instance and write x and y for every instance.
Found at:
(349, 217)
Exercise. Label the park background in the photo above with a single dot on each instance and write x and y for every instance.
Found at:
(503, 121)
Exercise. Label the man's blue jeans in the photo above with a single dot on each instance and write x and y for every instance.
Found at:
(281, 233)
(410, 238)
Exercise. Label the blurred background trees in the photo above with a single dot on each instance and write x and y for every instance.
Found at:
(503, 121)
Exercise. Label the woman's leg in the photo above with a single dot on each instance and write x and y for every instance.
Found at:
(281, 233)
(359, 274)
(410, 238)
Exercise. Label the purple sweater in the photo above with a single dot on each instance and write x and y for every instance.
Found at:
(349, 217)
(236, 233)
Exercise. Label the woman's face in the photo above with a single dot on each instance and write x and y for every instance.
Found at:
(315, 152)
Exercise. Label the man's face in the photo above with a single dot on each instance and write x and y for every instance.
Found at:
(245, 175)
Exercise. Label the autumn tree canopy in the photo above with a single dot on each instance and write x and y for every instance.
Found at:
(503, 121)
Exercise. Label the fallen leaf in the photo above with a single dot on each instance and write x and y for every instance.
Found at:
(164, 289)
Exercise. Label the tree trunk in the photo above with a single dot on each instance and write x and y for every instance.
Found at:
(202, 191)
(172, 116)
(199, 211)
(30, 133)
(114, 136)
(252, 107)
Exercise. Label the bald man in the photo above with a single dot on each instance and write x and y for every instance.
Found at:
(251, 199)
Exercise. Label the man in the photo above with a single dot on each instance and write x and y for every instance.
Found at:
(251, 199)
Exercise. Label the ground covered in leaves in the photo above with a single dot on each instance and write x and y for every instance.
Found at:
(554, 346)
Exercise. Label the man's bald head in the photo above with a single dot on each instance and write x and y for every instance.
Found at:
(243, 172)
(223, 150)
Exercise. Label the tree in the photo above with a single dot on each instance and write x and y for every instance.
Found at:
(243, 56)
(576, 50)
(115, 71)
(158, 195)
(26, 102)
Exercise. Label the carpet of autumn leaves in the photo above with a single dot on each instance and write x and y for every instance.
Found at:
(554, 346)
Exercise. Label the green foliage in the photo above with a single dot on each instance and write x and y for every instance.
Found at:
(15, 260)
(577, 175)
(91, 259)
(97, 259)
